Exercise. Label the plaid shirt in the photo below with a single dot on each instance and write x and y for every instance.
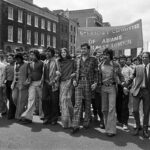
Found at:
(90, 70)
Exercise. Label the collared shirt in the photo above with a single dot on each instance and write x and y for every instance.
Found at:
(107, 73)
(9, 72)
(126, 72)
(36, 70)
(147, 68)
(83, 72)
(2, 70)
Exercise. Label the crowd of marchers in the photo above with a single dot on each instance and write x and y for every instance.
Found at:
(76, 89)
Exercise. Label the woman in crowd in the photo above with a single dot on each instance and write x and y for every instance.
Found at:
(67, 69)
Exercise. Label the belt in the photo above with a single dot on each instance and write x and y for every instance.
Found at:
(108, 84)
(83, 78)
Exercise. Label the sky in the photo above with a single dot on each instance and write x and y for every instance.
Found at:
(117, 12)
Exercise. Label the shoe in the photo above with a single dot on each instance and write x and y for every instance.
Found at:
(86, 127)
(46, 121)
(102, 126)
(74, 130)
(110, 134)
(125, 127)
(10, 117)
(42, 118)
(136, 132)
(145, 134)
(54, 123)
(36, 113)
(95, 118)
(26, 121)
(119, 123)
(3, 114)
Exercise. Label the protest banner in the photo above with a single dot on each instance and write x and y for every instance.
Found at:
(115, 37)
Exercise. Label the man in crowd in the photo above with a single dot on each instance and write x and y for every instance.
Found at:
(140, 91)
(86, 80)
(3, 107)
(9, 75)
(110, 74)
(50, 98)
(123, 98)
(35, 90)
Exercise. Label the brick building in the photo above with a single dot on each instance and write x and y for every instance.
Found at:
(73, 26)
(63, 29)
(87, 17)
(24, 25)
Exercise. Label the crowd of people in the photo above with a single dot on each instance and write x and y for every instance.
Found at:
(76, 89)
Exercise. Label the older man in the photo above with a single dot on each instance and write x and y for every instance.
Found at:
(140, 91)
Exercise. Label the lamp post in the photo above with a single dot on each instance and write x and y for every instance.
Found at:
(87, 18)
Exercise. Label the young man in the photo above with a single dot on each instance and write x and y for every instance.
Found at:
(3, 107)
(123, 98)
(110, 74)
(9, 75)
(35, 90)
(85, 81)
(50, 95)
(18, 86)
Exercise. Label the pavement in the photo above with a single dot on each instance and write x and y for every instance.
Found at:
(36, 136)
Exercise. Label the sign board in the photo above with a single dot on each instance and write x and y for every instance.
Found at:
(116, 38)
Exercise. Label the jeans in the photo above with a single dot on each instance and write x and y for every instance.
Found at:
(108, 94)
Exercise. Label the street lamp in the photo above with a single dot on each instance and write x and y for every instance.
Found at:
(87, 18)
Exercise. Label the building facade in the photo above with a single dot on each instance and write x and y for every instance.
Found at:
(87, 17)
(73, 27)
(25, 26)
(63, 30)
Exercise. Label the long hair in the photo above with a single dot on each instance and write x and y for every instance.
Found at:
(108, 52)
(52, 50)
(67, 54)
(36, 53)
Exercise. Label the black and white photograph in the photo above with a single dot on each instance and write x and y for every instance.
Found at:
(74, 75)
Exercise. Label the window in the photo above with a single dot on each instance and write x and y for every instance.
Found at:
(74, 39)
(62, 28)
(42, 24)
(36, 24)
(19, 35)
(62, 43)
(10, 13)
(71, 28)
(20, 16)
(54, 27)
(66, 29)
(42, 39)
(71, 49)
(54, 42)
(71, 38)
(48, 41)
(10, 33)
(28, 37)
(36, 38)
(28, 19)
(66, 44)
(74, 29)
(49, 26)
